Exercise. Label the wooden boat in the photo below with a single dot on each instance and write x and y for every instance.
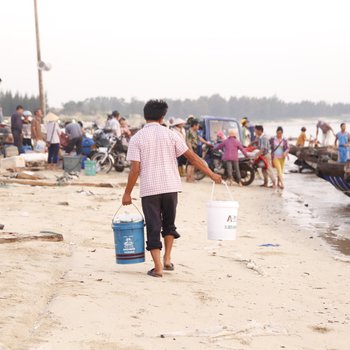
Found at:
(337, 174)
(309, 157)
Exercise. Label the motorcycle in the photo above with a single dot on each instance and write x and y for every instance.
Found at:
(214, 161)
(112, 156)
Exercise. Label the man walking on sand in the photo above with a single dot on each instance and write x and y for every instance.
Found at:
(265, 151)
(153, 152)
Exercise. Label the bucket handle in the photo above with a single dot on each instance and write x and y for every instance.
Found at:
(122, 206)
(228, 190)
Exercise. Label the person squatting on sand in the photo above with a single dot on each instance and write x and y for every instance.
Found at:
(231, 146)
(153, 153)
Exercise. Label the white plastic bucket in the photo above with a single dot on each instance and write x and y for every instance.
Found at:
(222, 218)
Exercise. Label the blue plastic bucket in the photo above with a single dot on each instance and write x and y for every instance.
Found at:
(129, 242)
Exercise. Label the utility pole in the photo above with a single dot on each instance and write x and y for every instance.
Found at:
(38, 53)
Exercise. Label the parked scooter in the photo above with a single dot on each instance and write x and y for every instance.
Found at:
(112, 156)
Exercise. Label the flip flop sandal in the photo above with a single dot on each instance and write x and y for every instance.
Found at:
(170, 267)
(153, 273)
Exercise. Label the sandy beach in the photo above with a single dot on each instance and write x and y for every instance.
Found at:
(222, 295)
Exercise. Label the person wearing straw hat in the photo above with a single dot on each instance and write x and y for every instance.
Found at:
(178, 127)
(231, 147)
(52, 139)
(153, 153)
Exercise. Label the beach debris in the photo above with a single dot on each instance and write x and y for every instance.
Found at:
(2, 226)
(63, 203)
(10, 237)
(54, 184)
(320, 329)
(88, 193)
(268, 245)
(29, 175)
(341, 258)
(249, 263)
(244, 334)
(66, 177)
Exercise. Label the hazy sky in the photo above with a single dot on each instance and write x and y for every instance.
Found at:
(297, 49)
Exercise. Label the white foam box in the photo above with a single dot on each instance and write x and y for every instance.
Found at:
(12, 162)
(11, 151)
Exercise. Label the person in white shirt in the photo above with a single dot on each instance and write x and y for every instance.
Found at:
(113, 124)
(53, 139)
(153, 153)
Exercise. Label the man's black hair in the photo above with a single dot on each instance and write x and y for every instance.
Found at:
(194, 122)
(259, 128)
(81, 124)
(122, 118)
(155, 110)
(19, 107)
(280, 129)
(37, 110)
(303, 129)
(341, 125)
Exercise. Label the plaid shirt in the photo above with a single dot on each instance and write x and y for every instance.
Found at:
(157, 149)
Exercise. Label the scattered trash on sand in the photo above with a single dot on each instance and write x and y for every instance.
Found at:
(244, 334)
(88, 193)
(11, 237)
(268, 245)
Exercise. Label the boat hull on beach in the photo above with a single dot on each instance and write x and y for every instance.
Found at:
(337, 174)
(310, 157)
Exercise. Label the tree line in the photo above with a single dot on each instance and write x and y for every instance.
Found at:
(9, 102)
(238, 107)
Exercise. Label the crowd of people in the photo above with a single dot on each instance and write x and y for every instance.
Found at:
(27, 134)
(270, 151)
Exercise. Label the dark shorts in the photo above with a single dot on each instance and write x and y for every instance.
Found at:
(160, 213)
(77, 143)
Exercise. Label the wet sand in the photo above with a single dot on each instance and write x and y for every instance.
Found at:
(325, 211)
(222, 295)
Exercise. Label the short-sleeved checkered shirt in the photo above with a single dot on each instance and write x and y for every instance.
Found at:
(157, 149)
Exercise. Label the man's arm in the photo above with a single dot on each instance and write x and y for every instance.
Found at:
(241, 148)
(198, 163)
(336, 139)
(201, 139)
(133, 176)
